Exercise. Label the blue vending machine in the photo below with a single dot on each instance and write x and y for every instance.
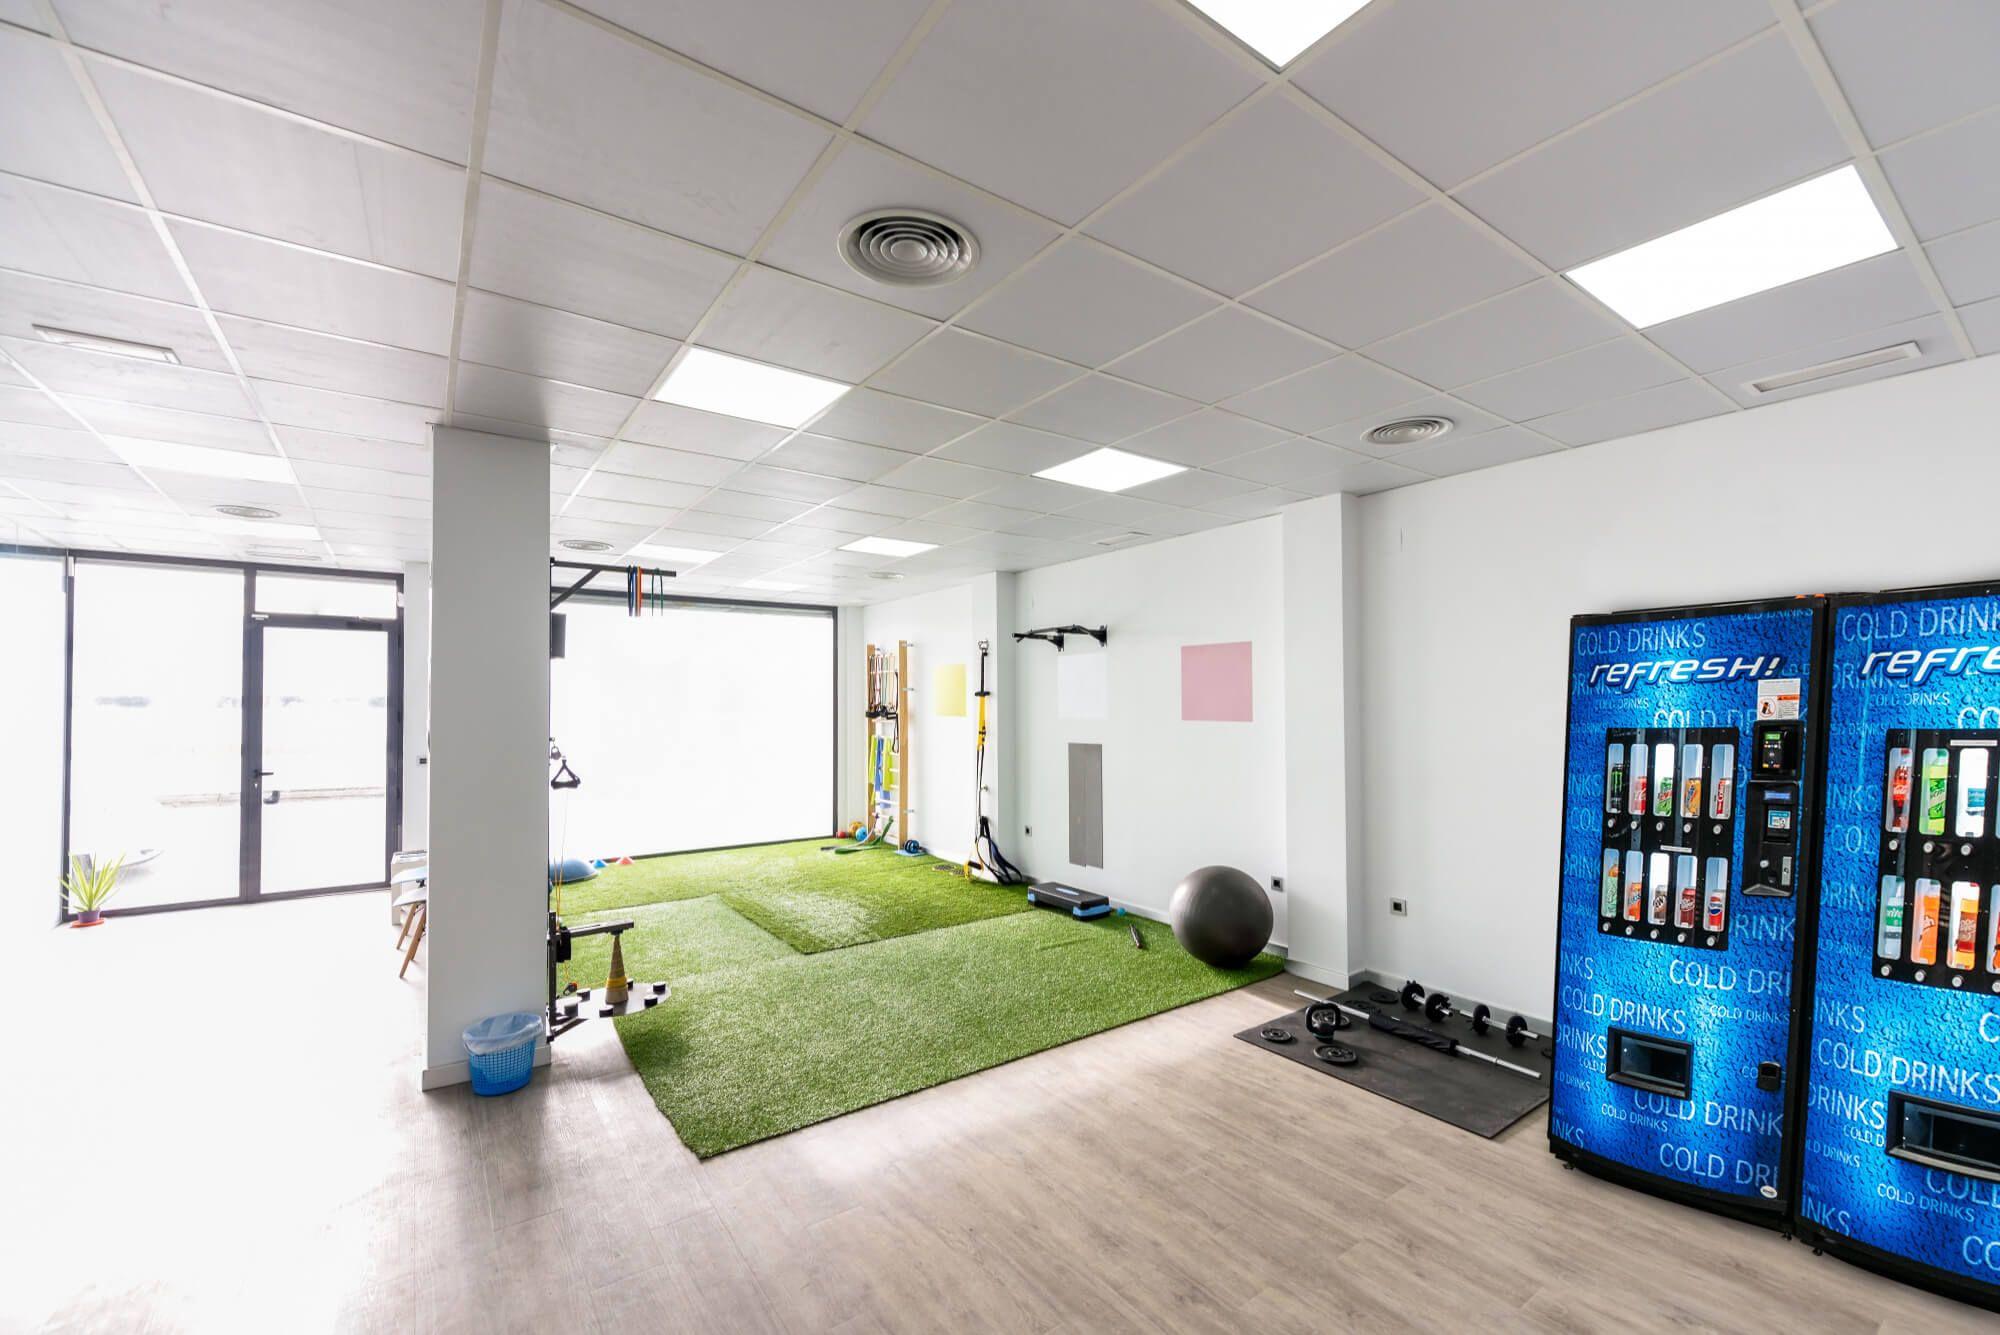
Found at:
(1900, 1156)
(1688, 802)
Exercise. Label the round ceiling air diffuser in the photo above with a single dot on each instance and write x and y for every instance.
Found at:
(585, 545)
(908, 248)
(1410, 431)
(246, 512)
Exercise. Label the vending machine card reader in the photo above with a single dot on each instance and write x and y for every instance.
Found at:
(1775, 814)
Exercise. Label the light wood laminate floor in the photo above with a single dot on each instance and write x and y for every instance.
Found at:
(215, 1126)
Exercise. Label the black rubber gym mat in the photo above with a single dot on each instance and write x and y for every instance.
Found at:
(1463, 1091)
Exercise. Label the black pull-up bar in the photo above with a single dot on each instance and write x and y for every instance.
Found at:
(1054, 634)
(591, 572)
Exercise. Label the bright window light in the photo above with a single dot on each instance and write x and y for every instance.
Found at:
(736, 387)
(1819, 225)
(1279, 29)
(687, 556)
(771, 586)
(263, 528)
(198, 459)
(1110, 470)
(887, 546)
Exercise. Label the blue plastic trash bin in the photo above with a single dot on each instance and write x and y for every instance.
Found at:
(500, 1050)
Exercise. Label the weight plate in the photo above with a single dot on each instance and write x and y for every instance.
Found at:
(1272, 1033)
(1336, 1054)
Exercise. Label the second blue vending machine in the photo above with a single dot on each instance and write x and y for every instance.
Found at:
(1693, 750)
(1900, 1157)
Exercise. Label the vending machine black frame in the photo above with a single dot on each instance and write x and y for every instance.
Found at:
(1838, 1245)
(1777, 1214)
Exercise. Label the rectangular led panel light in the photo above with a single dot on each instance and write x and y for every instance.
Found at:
(119, 347)
(1808, 229)
(737, 387)
(898, 547)
(687, 556)
(199, 459)
(1279, 29)
(1110, 470)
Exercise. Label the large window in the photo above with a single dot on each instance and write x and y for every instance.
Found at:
(699, 726)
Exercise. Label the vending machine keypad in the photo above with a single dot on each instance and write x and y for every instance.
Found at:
(1937, 887)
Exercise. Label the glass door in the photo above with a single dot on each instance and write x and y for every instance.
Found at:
(318, 782)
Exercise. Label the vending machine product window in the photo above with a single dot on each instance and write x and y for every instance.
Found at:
(1669, 835)
(1938, 861)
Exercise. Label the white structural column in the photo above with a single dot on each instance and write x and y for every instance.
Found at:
(1323, 739)
(489, 727)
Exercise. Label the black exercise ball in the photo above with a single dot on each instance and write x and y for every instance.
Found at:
(1221, 916)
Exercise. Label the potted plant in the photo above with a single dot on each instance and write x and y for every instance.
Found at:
(88, 885)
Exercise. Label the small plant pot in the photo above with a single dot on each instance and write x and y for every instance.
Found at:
(89, 918)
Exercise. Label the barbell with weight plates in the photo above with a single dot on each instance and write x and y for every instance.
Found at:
(1437, 1005)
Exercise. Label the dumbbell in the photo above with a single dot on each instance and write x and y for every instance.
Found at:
(1436, 1006)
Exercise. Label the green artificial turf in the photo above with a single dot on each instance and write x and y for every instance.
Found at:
(809, 899)
(807, 985)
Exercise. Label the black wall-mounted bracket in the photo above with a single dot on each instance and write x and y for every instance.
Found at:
(1054, 634)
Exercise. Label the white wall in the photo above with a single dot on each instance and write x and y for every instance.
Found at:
(489, 717)
(1176, 795)
(416, 704)
(941, 627)
(1468, 585)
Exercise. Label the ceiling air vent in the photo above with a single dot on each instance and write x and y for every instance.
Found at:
(283, 553)
(246, 512)
(1119, 539)
(908, 248)
(1860, 361)
(888, 575)
(1410, 430)
(585, 545)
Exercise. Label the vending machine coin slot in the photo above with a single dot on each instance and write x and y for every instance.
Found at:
(1774, 827)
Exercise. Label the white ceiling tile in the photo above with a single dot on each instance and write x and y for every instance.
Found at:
(31, 407)
(1982, 325)
(675, 427)
(770, 506)
(771, 316)
(1036, 493)
(1346, 387)
(366, 481)
(618, 512)
(1968, 263)
(1750, 124)
(492, 392)
(622, 537)
(1053, 104)
(1293, 461)
(1905, 68)
(26, 301)
(1464, 454)
(1219, 355)
(312, 186)
(979, 515)
(1126, 511)
(393, 70)
(1472, 104)
(1529, 324)
(557, 254)
(1275, 186)
(1087, 303)
(1415, 269)
(1255, 504)
(881, 500)
(541, 340)
(837, 458)
(1935, 346)
(1361, 477)
(890, 420)
(927, 530)
(1193, 487)
(1061, 527)
(608, 486)
(1014, 449)
(863, 178)
(1621, 366)
(302, 357)
(45, 229)
(943, 477)
(180, 428)
(654, 141)
(764, 480)
(1203, 438)
(834, 519)
(1931, 180)
(51, 442)
(974, 374)
(1352, 434)
(104, 375)
(500, 426)
(61, 141)
(1868, 295)
(330, 447)
(808, 539)
(199, 493)
(349, 414)
(1648, 410)
(1103, 409)
(271, 280)
(820, 57)
(708, 526)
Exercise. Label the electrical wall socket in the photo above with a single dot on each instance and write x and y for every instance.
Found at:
(1278, 884)
(1399, 908)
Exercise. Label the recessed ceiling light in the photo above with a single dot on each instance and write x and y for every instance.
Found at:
(1808, 229)
(200, 460)
(585, 545)
(1279, 29)
(771, 586)
(687, 556)
(1110, 470)
(263, 528)
(118, 347)
(737, 387)
(246, 511)
(898, 547)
